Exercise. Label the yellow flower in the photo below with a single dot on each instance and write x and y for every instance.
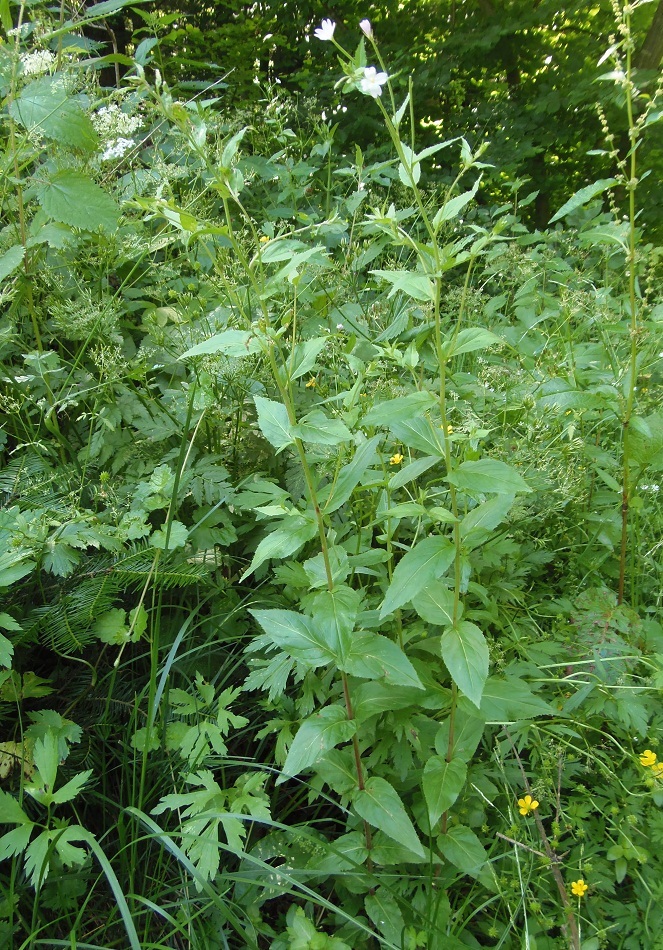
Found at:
(578, 888)
(311, 383)
(448, 429)
(264, 239)
(396, 459)
(647, 758)
(657, 769)
(527, 804)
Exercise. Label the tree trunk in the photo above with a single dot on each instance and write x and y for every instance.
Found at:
(651, 52)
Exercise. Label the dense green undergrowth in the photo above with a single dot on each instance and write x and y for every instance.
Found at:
(331, 560)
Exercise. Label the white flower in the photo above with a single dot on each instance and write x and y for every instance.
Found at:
(366, 28)
(111, 123)
(325, 31)
(339, 326)
(117, 149)
(372, 82)
(33, 64)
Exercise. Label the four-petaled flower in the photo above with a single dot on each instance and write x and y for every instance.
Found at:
(647, 758)
(527, 804)
(372, 82)
(311, 383)
(578, 888)
(325, 31)
(366, 28)
(396, 459)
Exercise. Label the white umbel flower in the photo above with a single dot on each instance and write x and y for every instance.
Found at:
(38, 62)
(117, 149)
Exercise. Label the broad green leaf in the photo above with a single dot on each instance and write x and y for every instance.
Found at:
(333, 615)
(417, 286)
(303, 356)
(465, 653)
(111, 626)
(74, 199)
(583, 196)
(509, 699)
(479, 523)
(294, 634)
(14, 566)
(419, 434)
(283, 541)
(379, 804)
(375, 657)
(274, 423)
(375, 697)
(411, 472)
(228, 343)
(176, 537)
(435, 604)
(11, 812)
(44, 106)
(382, 908)
(488, 475)
(442, 783)
(422, 564)
(644, 441)
(316, 570)
(320, 732)
(339, 491)
(468, 340)
(468, 730)
(318, 428)
(10, 260)
(281, 249)
(463, 849)
(400, 409)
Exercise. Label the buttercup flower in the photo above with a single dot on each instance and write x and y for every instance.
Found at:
(527, 804)
(578, 888)
(396, 459)
(264, 239)
(311, 383)
(657, 769)
(366, 28)
(647, 758)
(325, 31)
(372, 82)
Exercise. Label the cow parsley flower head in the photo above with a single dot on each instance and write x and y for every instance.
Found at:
(117, 149)
(36, 63)
(366, 29)
(372, 82)
(325, 31)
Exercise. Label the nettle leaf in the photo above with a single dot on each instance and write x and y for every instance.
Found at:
(463, 849)
(465, 653)
(44, 106)
(322, 731)
(442, 784)
(422, 564)
(11, 260)
(74, 199)
(274, 423)
(295, 635)
(375, 657)
(318, 428)
(379, 804)
(487, 475)
(228, 343)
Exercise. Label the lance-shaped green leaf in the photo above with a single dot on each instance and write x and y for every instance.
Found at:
(303, 356)
(442, 784)
(375, 657)
(379, 804)
(295, 635)
(318, 734)
(453, 207)
(510, 699)
(468, 340)
(11, 260)
(488, 475)
(467, 733)
(400, 409)
(419, 434)
(318, 428)
(478, 524)
(463, 849)
(71, 198)
(283, 541)
(417, 286)
(435, 604)
(465, 653)
(583, 196)
(11, 812)
(338, 492)
(383, 910)
(422, 564)
(333, 615)
(228, 343)
(274, 423)
(410, 473)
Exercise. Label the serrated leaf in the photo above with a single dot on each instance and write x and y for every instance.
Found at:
(465, 654)
(400, 409)
(509, 699)
(435, 604)
(45, 106)
(383, 910)
(319, 429)
(322, 731)
(333, 617)
(293, 634)
(583, 196)
(11, 260)
(422, 564)
(111, 626)
(488, 475)
(379, 804)
(6, 651)
(463, 849)
(36, 859)
(418, 286)
(274, 423)
(303, 356)
(16, 840)
(442, 783)
(46, 758)
(228, 343)
(74, 199)
(176, 537)
(71, 788)
(375, 657)
(11, 812)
